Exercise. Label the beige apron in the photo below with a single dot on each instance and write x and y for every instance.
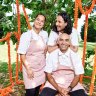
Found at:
(36, 59)
(63, 77)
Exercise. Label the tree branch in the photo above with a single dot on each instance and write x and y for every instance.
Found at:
(43, 1)
(55, 1)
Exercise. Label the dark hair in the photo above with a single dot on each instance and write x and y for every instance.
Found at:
(67, 19)
(42, 15)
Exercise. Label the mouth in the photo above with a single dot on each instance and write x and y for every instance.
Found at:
(38, 25)
(58, 28)
(63, 46)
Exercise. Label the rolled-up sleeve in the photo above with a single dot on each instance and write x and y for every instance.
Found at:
(49, 64)
(23, 44)
(52, 38)
(77, 63)
(74, 37)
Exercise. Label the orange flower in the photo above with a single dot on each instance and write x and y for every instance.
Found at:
(26, 16)
(18, 17)
(76, 14)
(89, 10)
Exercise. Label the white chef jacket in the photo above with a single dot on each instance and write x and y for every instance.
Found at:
(70, 59)
(26, 38)
(73, 37)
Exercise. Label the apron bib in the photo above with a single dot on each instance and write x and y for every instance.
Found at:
(63, 76)
(36, 59)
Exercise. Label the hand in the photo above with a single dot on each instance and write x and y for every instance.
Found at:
(62, 95)
(74, 48)
(69, 89)
(62, 91)
(30, 73)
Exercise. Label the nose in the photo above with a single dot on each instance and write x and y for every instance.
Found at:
(64, 42)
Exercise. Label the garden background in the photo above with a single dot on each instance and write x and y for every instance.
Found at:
(8, 23)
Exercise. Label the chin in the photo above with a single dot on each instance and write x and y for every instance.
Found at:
(58, 30)
(38, 28)
(64, 49)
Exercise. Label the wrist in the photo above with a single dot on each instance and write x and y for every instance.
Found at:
(70, 88)
(58, 89)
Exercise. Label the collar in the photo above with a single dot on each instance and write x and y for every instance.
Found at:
(35, 32)
(64, 54)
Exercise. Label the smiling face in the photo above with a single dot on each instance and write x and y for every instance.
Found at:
(64, 42)
(60, 24)
(39, 22)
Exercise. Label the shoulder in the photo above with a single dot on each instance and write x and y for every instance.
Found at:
(43, 32)
(26, 36)
(74, 54)
(54, 53)
(53, 33)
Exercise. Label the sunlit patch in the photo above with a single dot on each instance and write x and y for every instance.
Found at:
(34, 84)
(60, 80)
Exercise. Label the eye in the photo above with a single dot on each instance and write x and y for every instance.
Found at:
(60, 39)
(42, 21)
(67, 40)
(58, 21)
(37, 19)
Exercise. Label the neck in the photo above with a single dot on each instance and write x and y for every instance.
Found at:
(61, 31)
(63, 51)
(36, 30)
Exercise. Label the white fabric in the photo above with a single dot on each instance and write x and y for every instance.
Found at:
(64, 59)
(26, 38)
(73, 36)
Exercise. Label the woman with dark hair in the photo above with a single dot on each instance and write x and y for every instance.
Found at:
(63, 25)
(32, 52)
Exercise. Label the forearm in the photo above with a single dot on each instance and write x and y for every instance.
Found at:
(25, 63)
(52, 81)
(75, 81)
(52, 48)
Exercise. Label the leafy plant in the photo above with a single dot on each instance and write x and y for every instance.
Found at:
(48, 7)
(88, 61)
(91, 37)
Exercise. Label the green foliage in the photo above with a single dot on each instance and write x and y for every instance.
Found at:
(88, 63)
(4, 74)
(1, 20)
(89, 53)
(48, 7)
(91, 36)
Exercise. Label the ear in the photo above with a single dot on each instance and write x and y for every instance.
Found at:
(57, 41)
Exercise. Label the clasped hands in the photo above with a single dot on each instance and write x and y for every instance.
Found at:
(63, 92)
